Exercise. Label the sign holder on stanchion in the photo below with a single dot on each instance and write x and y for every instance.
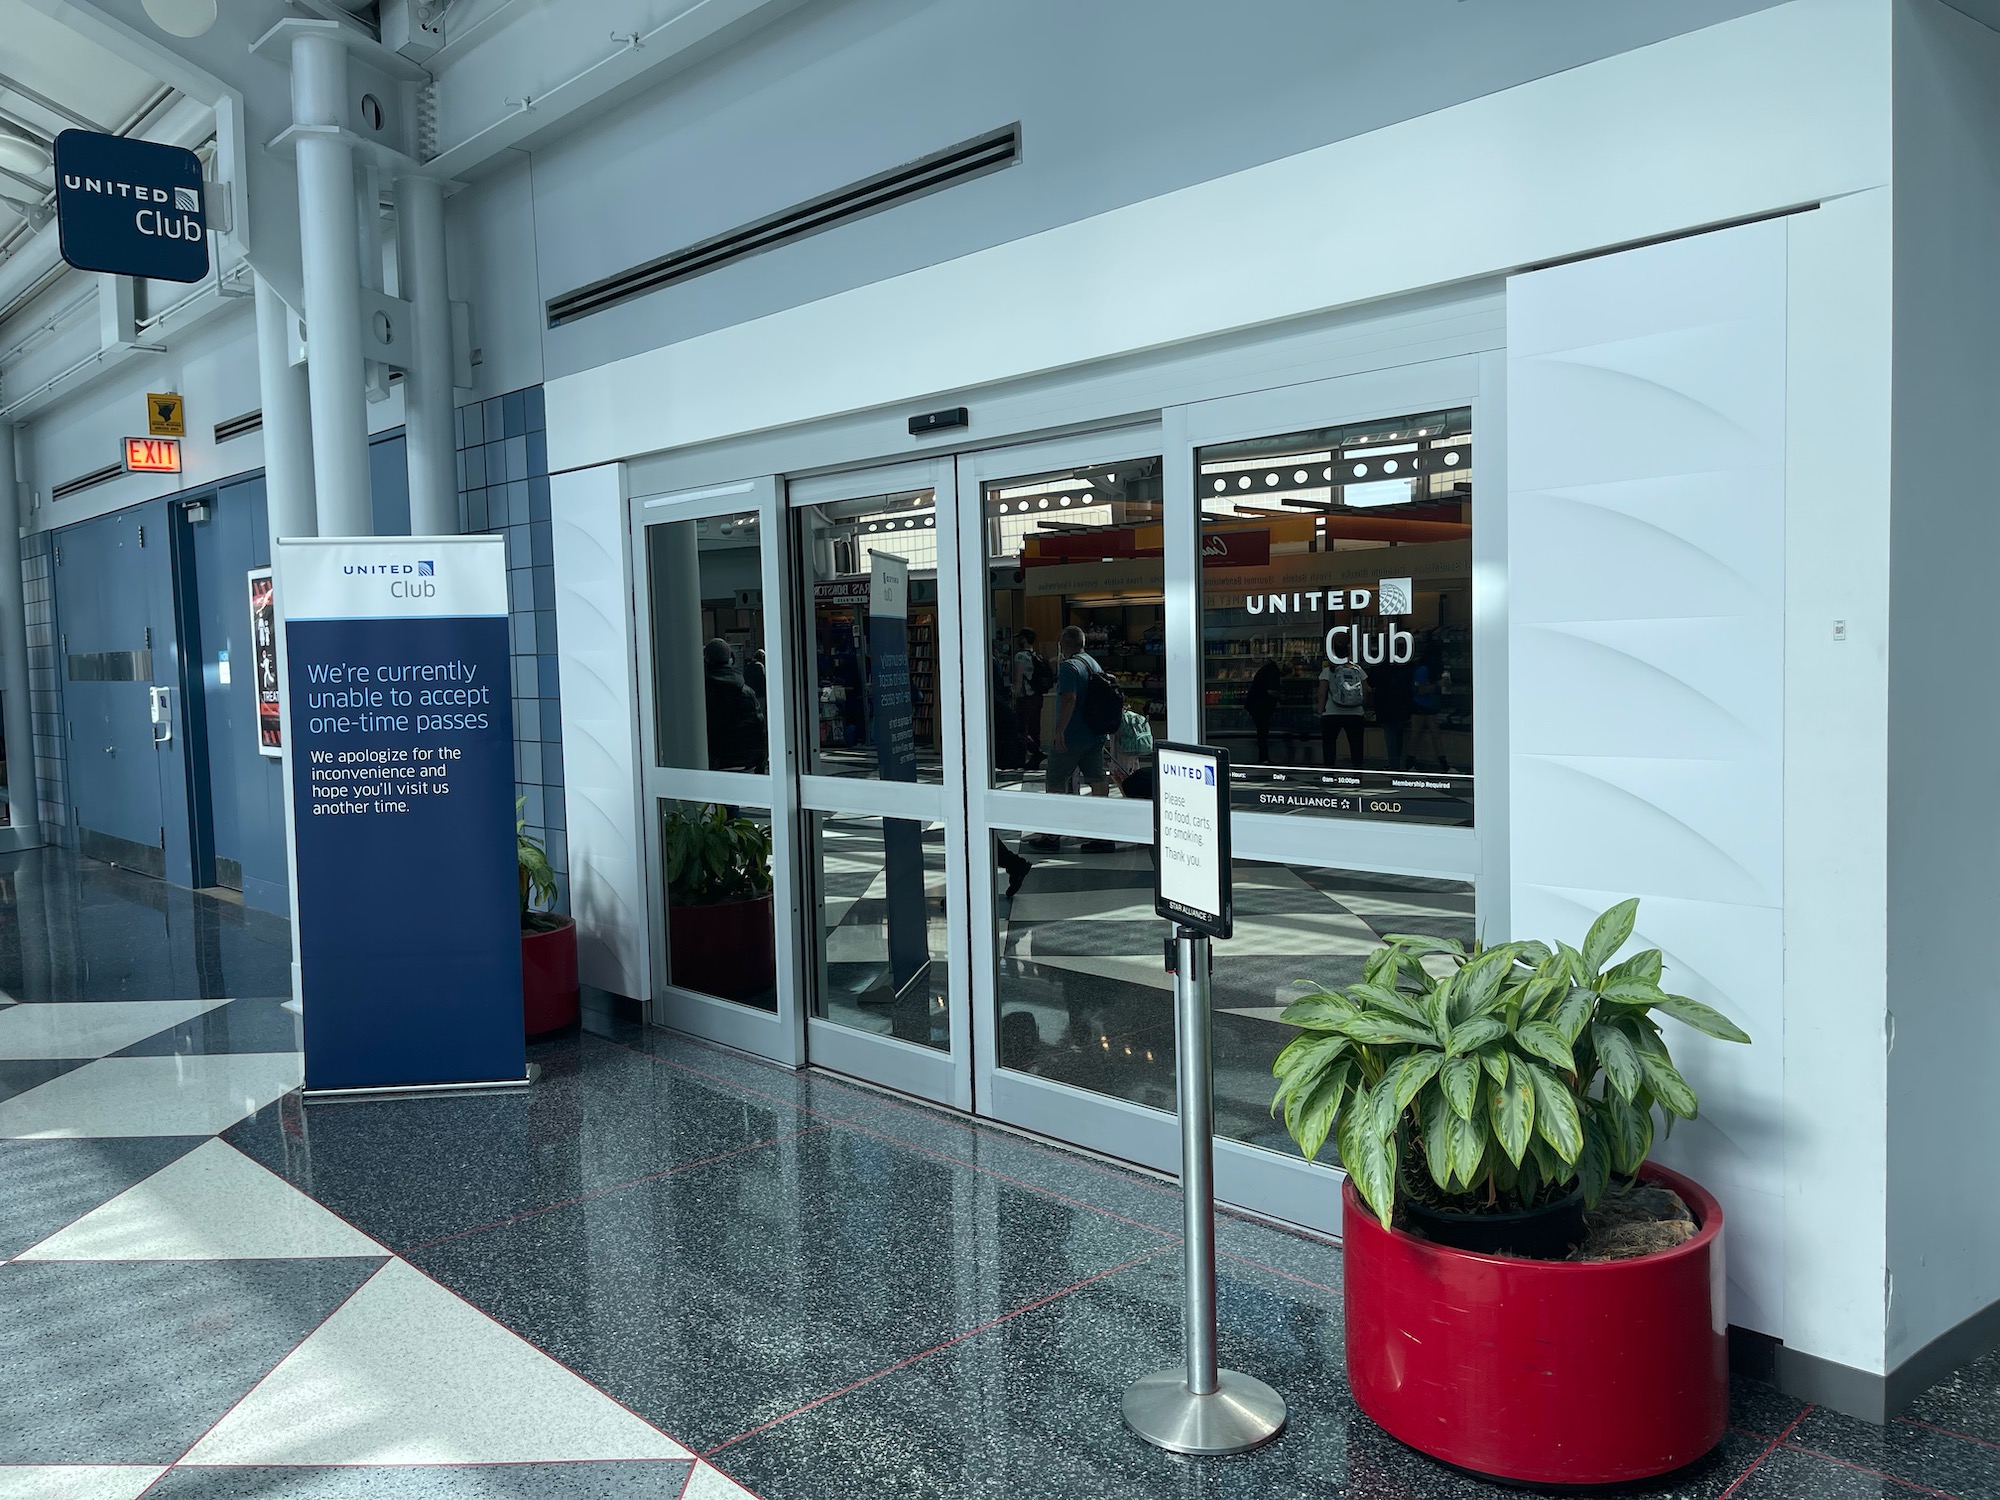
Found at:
(1197, 1407)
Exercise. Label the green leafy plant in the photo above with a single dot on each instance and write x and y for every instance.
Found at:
(1490, 1077)
(538, 878)
(712, 857)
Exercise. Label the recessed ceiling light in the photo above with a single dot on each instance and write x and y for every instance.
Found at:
(188, 18)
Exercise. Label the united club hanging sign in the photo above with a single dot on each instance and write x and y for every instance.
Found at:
(130, 208)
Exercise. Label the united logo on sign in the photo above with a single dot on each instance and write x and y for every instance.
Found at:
(130, 208)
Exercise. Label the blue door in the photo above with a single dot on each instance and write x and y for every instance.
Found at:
(114, 615)
(225, 537)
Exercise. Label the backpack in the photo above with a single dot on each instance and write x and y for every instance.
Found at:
(1041, 676)
(1101, 705)
(1135, 734)
(1345, 689)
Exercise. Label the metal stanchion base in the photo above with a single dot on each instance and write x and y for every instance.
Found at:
(1240, 1414)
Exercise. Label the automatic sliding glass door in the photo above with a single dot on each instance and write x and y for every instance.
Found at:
(719, 799)
(882, 785)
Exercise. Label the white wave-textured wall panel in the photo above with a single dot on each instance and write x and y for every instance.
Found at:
(1646, 479)
(607, 884)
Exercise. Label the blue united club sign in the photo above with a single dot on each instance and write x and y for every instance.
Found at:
(132, 208)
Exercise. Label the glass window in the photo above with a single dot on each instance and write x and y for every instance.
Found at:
(856, 701)
(716, 871)
(883, 935)
(707, 592)
(1076, 572)
(1337, 618)
(1084, 998)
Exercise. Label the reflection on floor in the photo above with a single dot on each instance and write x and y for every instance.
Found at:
(1085, 997)
(665, 1271)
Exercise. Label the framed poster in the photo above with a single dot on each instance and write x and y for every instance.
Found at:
(264, 658)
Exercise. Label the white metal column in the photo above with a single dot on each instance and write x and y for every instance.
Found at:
(329, 243)
(23, 804)
(287, 406)
(427, 399)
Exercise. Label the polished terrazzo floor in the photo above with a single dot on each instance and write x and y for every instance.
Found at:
(665, 1271)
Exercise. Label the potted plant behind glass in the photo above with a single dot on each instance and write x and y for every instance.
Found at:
(550, 998)
(1483, 1101)
(720, 939)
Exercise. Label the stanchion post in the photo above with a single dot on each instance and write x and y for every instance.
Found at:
(1197, 1407)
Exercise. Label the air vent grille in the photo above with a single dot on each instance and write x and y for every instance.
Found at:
(974, 158)
(84, 481)
(243, 426)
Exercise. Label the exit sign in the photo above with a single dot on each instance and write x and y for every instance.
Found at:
(151, 455)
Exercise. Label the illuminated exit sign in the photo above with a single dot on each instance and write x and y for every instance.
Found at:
(151, 455)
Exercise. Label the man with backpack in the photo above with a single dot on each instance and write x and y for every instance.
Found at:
(1342, 710)
(1032, 679)
(1090, 708)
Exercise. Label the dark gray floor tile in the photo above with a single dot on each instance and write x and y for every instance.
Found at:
(1967, 1401)
(1791, 1475)
(816, 1093)
(412, 1170)
(240, 1026)
(130, 1361)
(1761, 1409)
(725, 1296)
(1099, 1184)
(1030, 1408)
(637, 1480)
(1956, 1465)
(77, 930)
(47, 1184)
(19, 1074)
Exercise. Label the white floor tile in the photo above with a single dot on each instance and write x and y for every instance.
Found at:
(710, 1483)
(90, 1030)
(212, 1204)
(406, 1373)
(187, 1095)
(75, 1481)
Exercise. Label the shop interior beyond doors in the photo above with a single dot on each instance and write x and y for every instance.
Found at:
(883, 841)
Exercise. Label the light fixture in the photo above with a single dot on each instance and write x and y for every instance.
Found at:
(19, 154)
(185, 18)
(1063, 501)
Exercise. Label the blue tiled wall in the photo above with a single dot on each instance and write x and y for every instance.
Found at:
(503, 490)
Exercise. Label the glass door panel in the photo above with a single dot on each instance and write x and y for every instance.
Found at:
(882, 847)
(709, 568)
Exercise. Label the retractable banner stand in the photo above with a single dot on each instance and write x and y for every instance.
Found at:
(398, 712)
(893, 727)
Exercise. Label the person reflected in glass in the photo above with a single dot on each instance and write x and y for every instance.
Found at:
(1076, 753)
(754, 675)
(1031, 679)
(1342, 700)
(736, 738)
(1261, 702)
(1427, 687)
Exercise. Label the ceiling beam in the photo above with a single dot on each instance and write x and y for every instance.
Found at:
(60, 110)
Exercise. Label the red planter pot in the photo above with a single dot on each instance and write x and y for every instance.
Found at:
(1541, 1372)
(549, 993)
(727, 949)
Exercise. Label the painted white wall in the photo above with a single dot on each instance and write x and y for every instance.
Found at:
(1118, 101)
(1794, 108)
(215, 371)
(600, 730)
(1645, 579)
(1836, 751)
(491, 264)
(1944, 652)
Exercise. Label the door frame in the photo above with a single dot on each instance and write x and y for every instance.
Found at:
(908, 1067)
(780, 1034)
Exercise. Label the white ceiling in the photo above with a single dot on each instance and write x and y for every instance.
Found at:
(53, 79)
